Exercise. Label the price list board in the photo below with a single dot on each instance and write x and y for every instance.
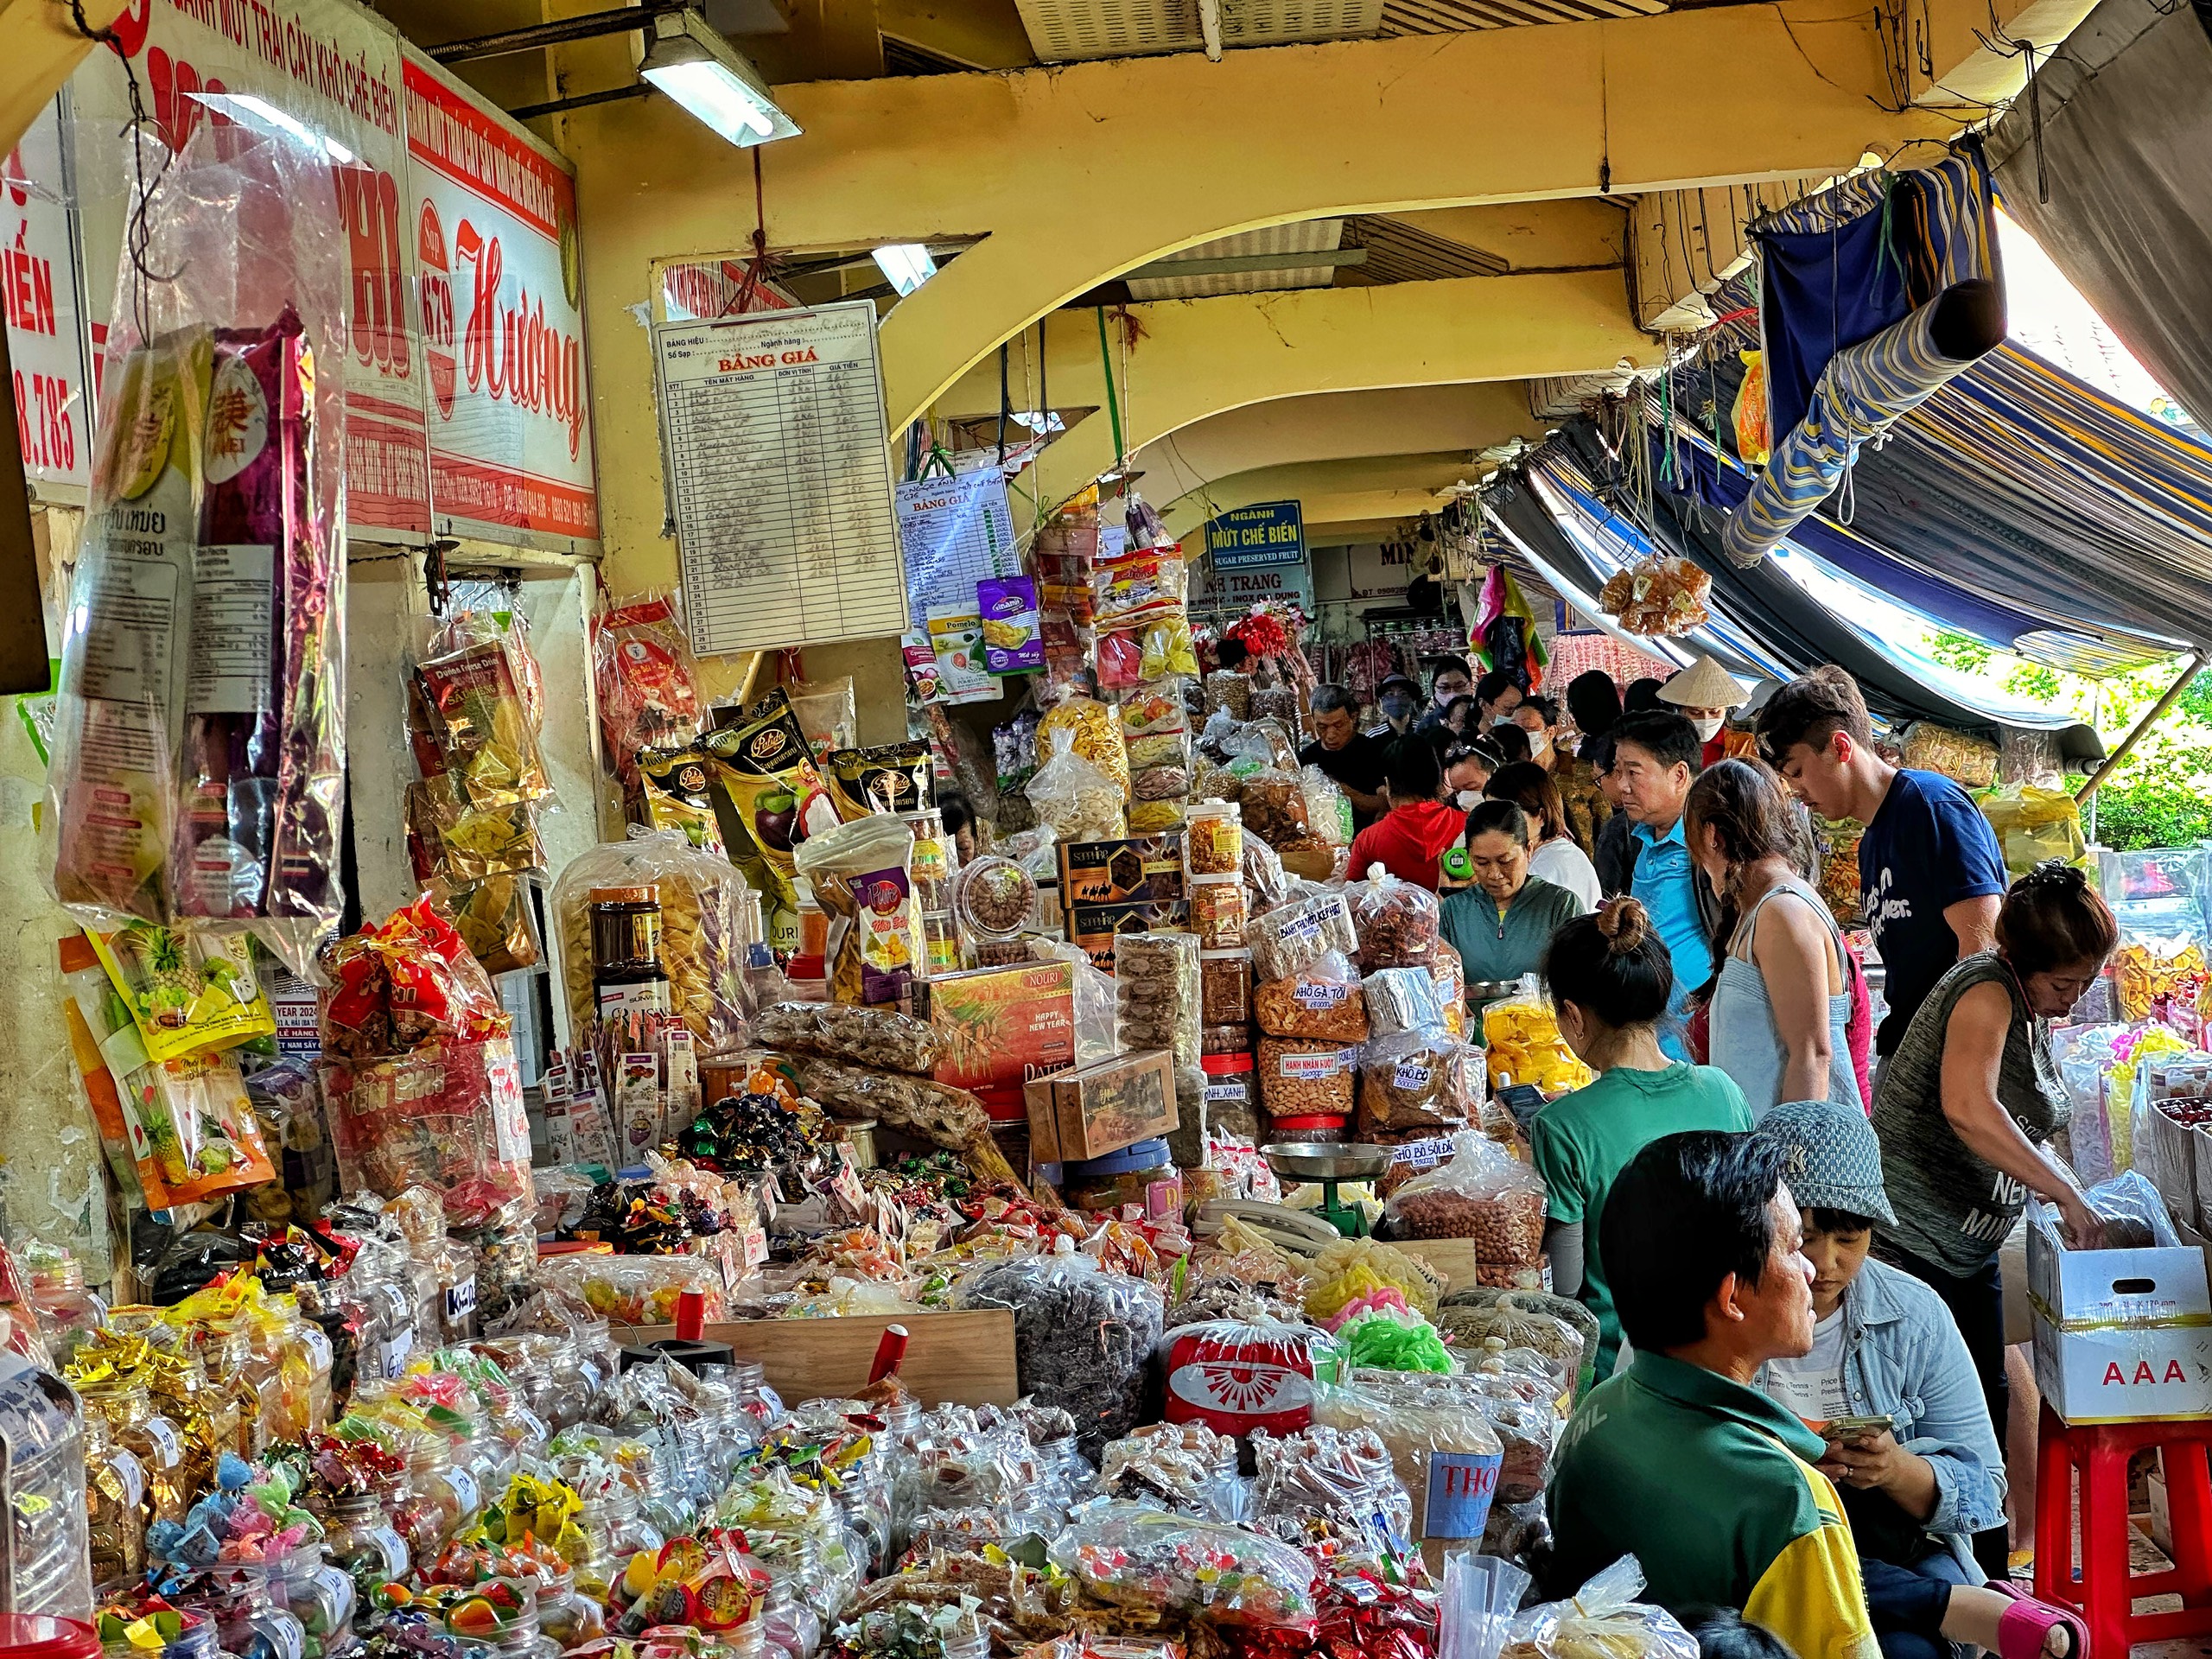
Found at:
(779, 478)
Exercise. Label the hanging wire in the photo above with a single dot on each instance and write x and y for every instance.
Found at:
(138, 231)
(1113, 401)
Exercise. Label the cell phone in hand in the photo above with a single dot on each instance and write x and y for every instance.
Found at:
(1854, 1429)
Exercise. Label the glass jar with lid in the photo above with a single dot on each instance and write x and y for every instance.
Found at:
(128, 1405)
(364, 1544)
(115, 1505)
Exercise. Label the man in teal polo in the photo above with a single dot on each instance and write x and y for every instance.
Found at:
(1679, 1460)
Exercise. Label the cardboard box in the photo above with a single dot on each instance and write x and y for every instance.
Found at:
(1094, 927)
(1096, 1109)
(1122, 872)
(2121, 1336)
(1000, 1027)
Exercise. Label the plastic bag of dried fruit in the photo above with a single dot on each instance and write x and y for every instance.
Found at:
(1398, 923)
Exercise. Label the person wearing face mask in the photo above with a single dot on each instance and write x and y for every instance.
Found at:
(1467, 769)
(1497, 694)
(1500, 924)
(1396, 697)
(1410, 837)
(1703, 694)
(1538, 717)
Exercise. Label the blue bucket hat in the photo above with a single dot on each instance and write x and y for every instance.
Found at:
(1834, 1159)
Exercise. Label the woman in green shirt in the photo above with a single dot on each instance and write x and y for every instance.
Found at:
(1609, 975)
(1500, 924)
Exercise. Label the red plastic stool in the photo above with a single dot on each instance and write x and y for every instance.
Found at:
(2100, 1586)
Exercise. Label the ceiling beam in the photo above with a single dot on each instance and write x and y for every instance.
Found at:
(1345, 425)
(1200, 358)
(1080, 173)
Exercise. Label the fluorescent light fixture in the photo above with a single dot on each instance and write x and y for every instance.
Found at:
(687, 58)
(906, 266)
(254, 111)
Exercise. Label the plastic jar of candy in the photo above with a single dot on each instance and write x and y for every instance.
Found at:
(790, 1622)
(364, 1544)
(755, 1397)
(614, 1529)
(302, 1357)
(505, 1610)
(566, 1617)
(68, 1313)
(245, 1604)
(320, 1596)
(1142, 1174)
(150, 1437)
(864, 1501)
(437, 1505)
(116, 1500)
(207, 1417)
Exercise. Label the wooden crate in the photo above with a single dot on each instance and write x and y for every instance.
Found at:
(963, 1359)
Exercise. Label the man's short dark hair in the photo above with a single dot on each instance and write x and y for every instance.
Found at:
(1232, 654)
(1410, 768)
(1449, 665)
(1495, 684)
(1669, 739)
(1691, 1209)
(1332, 699)
(1812, 708)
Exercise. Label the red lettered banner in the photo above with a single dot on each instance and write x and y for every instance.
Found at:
(492, 219)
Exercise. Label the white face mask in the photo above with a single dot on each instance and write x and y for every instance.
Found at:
(1708, 729)
(1469, 800)
(1538, 745)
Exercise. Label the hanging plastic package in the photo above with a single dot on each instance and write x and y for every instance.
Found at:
(862, 877)
(1751, 436)
(199, 768)
(770, 796)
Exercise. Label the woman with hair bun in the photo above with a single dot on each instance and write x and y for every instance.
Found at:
(1964, 1106)
(1610, 977)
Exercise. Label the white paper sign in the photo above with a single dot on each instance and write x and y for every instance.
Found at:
(954, 532)
(772, 436)
(492, 216)
(41, 295)
(335, 70)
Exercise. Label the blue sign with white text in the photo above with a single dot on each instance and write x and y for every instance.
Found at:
(1246, 538)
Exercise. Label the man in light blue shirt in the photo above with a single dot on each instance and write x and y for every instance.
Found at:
(1657, 757)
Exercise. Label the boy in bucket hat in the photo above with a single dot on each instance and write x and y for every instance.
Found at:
(1885, 1346)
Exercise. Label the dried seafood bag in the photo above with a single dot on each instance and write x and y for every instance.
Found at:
(1298, 932)
(1323, 998)
(1083, 1336)
(1399, 923)
(1484, 1193)
(1602, 1620)
(1412, 1080)
(647, 683)
(199, 753)
(861, 874)
(1441, 1443)
(702, 931)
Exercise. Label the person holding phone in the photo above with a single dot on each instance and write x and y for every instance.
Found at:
(1889, 1385)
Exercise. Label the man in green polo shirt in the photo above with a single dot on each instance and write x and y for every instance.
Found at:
(1679, 1460)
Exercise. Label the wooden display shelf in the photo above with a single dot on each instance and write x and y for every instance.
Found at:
(964, 1359)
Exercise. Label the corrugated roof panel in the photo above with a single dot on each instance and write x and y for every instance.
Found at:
(1306, 236)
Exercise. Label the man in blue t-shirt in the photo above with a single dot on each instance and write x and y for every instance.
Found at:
(1655, 760)
(1931, 874)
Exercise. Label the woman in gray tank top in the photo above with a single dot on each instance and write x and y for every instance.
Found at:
(1963, 1106)
(1780, 1000)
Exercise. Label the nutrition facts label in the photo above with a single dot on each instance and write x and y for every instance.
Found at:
(779, 478)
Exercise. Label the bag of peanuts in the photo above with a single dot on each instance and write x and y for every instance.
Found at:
(1323, 998)
(1485, 1194)
(701, 944)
